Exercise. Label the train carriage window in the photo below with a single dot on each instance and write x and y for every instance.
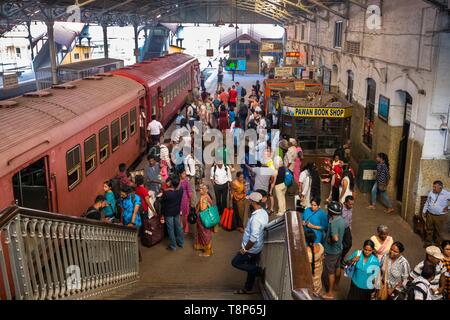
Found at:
(124, 126)
(132, 121)
(90, 154)
(73, 163)
(115, 134)
(103, 140)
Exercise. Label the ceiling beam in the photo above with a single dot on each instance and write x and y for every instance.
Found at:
(321, 5)
(359, 4)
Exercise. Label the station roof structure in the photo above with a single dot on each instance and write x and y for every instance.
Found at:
(152, 12)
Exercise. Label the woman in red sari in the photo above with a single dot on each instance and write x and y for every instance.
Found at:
(203, 236)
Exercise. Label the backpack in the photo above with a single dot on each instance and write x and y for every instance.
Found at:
(409, 292)
(243, 109)
(288, 178)
(243, 92)
(214, 172)
(155, 152)
(194, 112)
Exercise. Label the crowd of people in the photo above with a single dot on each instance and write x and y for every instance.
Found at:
(174, 191)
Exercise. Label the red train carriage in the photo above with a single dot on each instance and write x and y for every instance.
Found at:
(167, 80)
(57, 148)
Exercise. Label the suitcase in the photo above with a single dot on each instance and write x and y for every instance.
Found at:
(152, 232)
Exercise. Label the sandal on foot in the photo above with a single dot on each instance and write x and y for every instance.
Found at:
(371, 207)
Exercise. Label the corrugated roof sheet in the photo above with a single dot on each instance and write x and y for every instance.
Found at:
(35, 116)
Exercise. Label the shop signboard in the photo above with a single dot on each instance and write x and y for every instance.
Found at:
(267, 46)
(10, 80)
(306, 112)
(283, 72)
(299, 85)
(293, 54)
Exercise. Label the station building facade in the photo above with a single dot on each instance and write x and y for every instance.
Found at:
(393, 65)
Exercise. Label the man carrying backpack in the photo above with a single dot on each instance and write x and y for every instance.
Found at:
(221, 179)
(419, 288)
(95, 212)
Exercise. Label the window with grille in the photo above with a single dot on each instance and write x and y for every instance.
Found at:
(303, 32)
(338, 34)
(124, 126)
(103, 140)
(132, 121)
(86, 55)
(73, 163)
(115, 135)
(76, 56)
(352, 47)
(90, 154)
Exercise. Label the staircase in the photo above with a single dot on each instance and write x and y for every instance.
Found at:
(154, 45)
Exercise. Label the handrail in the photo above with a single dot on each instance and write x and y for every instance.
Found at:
(53, 256)
(285, 260)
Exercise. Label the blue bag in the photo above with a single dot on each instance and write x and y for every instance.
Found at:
(288, 178)
(210, 217)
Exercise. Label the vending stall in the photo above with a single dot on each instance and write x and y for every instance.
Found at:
(273, 87)
(319, 121)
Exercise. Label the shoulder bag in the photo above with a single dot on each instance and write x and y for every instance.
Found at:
(383, 293)
(349, 270)
(210, 217)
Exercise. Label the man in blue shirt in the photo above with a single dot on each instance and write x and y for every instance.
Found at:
(252, 244)
(130, 203)
(435, 213)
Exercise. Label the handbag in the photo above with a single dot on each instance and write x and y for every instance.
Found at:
(210, 217)
(382, 186)
(349, 270)
(192, 217)
(383, 293)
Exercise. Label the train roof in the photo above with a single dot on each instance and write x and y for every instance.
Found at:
(50, 116)
(150, 72)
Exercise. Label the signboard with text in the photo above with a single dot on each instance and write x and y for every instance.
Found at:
(317, 112)
(299, 85)
(293, 54)
(10, 81)
(283, 72)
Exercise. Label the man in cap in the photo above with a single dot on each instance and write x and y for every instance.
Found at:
(433, 258)
(252, 244)
(333, 247)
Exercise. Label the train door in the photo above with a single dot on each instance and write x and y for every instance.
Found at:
(143, 114)
(30, 186)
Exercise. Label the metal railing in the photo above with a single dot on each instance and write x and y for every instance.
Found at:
(52, 256)
(285, 260)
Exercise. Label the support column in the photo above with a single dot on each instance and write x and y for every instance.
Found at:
(30, 39)
(136, 44)
(105, 40)
(52, 51)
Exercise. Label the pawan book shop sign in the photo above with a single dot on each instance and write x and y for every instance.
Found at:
(318, 112)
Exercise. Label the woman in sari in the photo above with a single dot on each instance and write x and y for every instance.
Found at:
(186, 200)
(238, 196)
(383, 241)
(203, 236)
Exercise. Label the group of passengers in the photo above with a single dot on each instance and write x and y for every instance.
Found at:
(173, 190)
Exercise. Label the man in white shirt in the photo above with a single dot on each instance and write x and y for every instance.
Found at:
(189, 167)
(221, 179)
(305, 181)
(155, 129)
